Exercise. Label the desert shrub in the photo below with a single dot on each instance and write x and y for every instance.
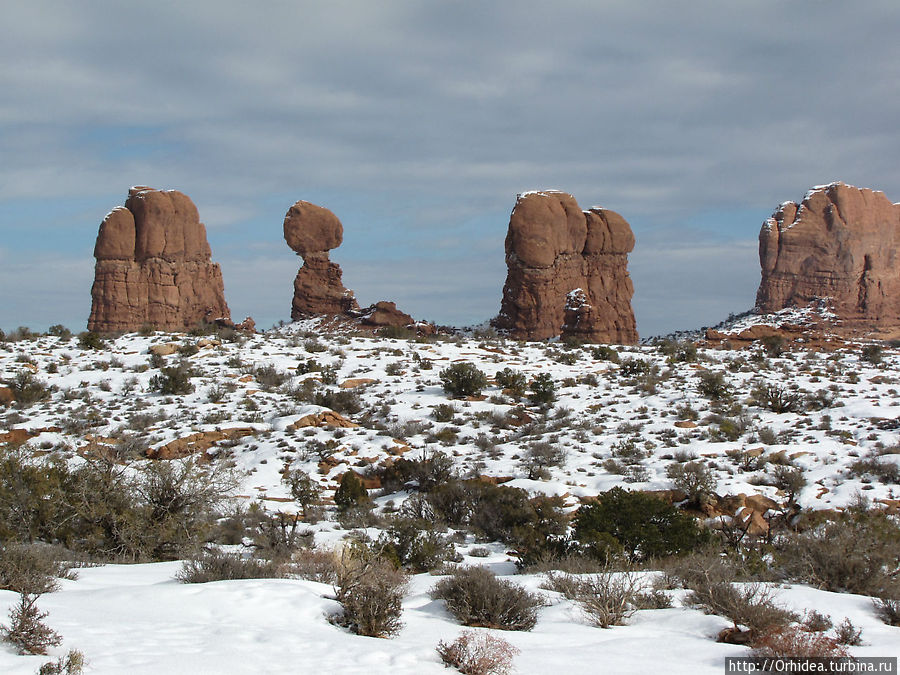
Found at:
(423, 474)
(848, 634)
(500, 513)
(541, 456)
(605, 353)
(60, 331)
(26, 629)
(158, 512)
(28, 389)
(816, 622)
(633, 367)
(888, 610)
(693, 478)
(216, 565)
(351, 492)
(777, 398)
(678, 351)
(512, 381)
(774, 345)
(476, 597)
(371, 592)
(478, 654)
(872, 353)
(304, 489)
(885, 471)
(70, 664)
(31, 568)
(173, 380)
(789, 480)
(638, 524)
(91, 340)
(713, 386)
(345, 401)
(856, 552)
(394, 369)
(276, 536)
(463, 379)
(794, 642)
(443, 412)
(269, 377)
(607, 598)
(416, 545)
(316, 565)
(750, 605)
(542, 390)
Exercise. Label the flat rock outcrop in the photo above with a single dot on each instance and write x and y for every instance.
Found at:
(154, 266)
(841, 243)
(567, 272)
(311, 231)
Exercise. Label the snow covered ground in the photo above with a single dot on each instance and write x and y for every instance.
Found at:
(138, 619)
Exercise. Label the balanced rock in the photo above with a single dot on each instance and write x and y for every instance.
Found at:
(841, 242)
(154, 266)
(311, 231)
(567, 272)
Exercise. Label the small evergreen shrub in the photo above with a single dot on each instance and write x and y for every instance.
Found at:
(351, 492)
(26, 629)
(70, 664)
(542, 390)
(639, 525)
(173, 380)
(463, 379)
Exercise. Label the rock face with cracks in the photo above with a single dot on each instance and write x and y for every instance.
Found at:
(567, 272)
(154, 266)
(841, 243)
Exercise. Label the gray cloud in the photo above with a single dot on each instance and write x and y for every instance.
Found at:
(422, 120)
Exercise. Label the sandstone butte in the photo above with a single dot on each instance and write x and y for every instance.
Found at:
(153, 266)
(567, 272)
(312, 231)
(840, 243)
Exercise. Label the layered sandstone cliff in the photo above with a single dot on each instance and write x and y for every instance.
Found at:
(154, 266)
(841, 243)
(567, 272)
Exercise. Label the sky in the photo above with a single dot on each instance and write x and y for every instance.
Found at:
(417, 123)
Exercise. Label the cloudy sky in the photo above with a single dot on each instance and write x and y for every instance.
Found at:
(418, 122)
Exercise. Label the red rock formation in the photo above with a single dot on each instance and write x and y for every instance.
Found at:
(312, 231)
(153, 266)
(840, 243)
(567, 272)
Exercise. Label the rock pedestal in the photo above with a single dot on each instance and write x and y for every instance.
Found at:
(567, 272)
(311, 231)
(154, 266)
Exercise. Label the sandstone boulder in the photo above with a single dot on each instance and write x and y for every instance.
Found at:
(567, 272)
(841, 242)
(154, 266)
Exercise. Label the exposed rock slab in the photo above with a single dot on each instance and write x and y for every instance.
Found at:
(841, 243)
(567, 272)
(154, 266)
